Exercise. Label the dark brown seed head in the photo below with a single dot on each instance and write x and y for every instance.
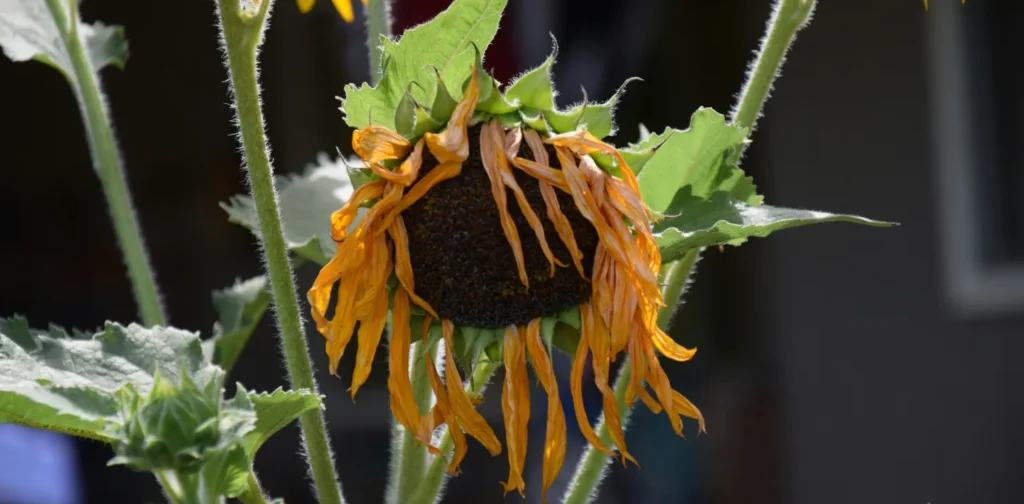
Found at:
(463, 263)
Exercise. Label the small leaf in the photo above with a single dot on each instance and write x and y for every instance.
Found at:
(30, 30)
(307, 203)
(721, 220)
(276, 410)
(445, 42)
(534, 88)
(51, 381)
(695, 157)
(240, 308)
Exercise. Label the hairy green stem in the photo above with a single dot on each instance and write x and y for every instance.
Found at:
(788, 17)
(593, 464)
(106, 160)
(253, 493)
(378, 23)
(412, 455)
(433, 483)
(242, 32)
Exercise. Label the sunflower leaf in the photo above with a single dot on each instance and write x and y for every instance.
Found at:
(240, 308)
(722, 220)
(51, 380)
(37, 30)
(307, 202)
(276, 410)
(446, 42)
(695, 158)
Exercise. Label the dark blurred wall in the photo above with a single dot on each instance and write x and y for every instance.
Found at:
(890, 396)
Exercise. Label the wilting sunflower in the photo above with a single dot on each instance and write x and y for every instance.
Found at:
(492, 228)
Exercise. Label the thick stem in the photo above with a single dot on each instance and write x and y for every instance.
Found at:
(594, 463)
(433, 483)
(106, 160)
(378, 22)
(788, 17)
(242, 33)
(413, 455)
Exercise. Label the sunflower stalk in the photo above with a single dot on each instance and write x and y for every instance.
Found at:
(253, 494)
(242, 24)
(788, 17)
(433, 482)
(106, 160)
(378, 24)
(409, 466)
(594, 463)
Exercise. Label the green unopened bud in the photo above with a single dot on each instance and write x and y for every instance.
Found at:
(180, 427)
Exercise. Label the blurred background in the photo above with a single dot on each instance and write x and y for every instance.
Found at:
(837, 363)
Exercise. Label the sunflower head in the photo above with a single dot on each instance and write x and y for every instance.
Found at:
(497, 226)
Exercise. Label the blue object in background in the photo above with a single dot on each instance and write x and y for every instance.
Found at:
(37, 467)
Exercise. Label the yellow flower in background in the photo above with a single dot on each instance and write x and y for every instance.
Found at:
(344, 7)
(439, 218)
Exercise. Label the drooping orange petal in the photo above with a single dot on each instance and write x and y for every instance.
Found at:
(669, 348)
(343, 218)
(439, 174)
(658, 380)
(512, 139)
(339, 331)
(407, 171)
(588, 207)
(555, 435)
(375, 143)
(465, 411)
(452, 144)
(554, 210)
(576, 385)
(509, 179)
(542, 172)
(403, 403)
(490, 153)
(443, 408)
(684, 407)
(515, 404)
(597, 339)
(370, 331)
(403, 265)
(583, 143)
(373, 276)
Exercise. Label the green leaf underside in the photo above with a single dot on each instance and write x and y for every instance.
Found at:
(307, 202)
(721, 220)
(54, 381)
(239, 308)
(29, 30)
(445, 43)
